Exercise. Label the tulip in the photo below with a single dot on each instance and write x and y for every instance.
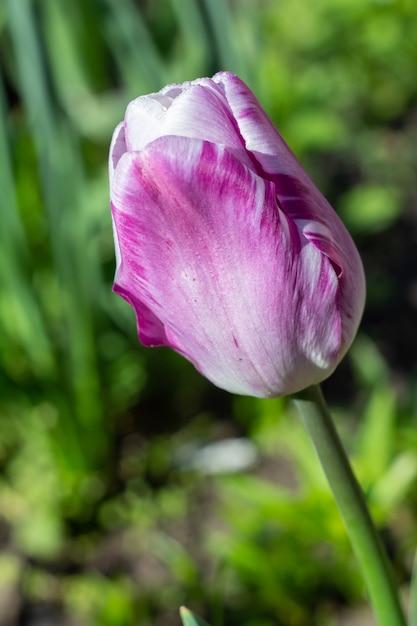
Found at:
(225, 248)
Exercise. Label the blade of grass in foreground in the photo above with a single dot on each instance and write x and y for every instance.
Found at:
(189, 619)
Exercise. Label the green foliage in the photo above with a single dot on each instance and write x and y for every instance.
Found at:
(382, 208)
(189, 619)
(98, 515)
(413, 596)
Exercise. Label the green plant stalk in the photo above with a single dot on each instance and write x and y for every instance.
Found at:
(352, 506)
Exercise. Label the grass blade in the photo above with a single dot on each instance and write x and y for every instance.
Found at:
(413, 595)
(189, 619)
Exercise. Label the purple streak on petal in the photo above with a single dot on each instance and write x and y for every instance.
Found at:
(150, 329)
(217, 271)
(299, 197)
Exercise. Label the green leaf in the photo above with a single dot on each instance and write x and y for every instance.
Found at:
(189, 619)
(377, 432)
(370, 208)
(413, 595)
(396, 481)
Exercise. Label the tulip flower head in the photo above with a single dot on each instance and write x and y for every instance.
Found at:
(225, 248)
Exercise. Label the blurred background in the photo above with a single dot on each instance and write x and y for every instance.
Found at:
(129, 485)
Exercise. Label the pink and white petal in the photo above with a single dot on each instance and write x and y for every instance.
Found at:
(151, 331)
(298, 196)
(117, 148)
(260, 135)
(175, 89)
(205, 249)
(202, 113)
(197, 110)
(144, 120)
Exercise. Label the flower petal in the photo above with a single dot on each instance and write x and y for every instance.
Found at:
(117, 148)
(195, 109)
(206, 251)
(298, 196)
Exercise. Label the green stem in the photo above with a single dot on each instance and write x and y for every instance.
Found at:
(351, 502)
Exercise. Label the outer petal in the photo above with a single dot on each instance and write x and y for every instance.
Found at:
(117, 148)
(237, 288)
(299, 197)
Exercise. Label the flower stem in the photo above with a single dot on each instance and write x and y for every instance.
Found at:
(351, 502)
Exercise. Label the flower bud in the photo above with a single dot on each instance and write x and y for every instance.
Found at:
(225, 248)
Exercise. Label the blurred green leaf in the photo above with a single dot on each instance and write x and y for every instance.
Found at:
(370, 208)
(20, 314)
(189, 619)
(229, 53)
(192, 62)
(376, 437)
(396, 482)
(413, 595)
(370, 366)
(176, 557)
(139, 61)
(96, 599)
(316, 130)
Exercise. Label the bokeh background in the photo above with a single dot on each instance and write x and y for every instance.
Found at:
(113, 510)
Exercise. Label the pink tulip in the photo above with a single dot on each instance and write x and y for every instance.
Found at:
(226, 250)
